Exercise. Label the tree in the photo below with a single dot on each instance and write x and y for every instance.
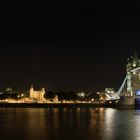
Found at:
(49, 95)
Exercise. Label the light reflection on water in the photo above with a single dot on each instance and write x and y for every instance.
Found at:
(69, 124)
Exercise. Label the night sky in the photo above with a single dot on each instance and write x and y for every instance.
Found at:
(67, 45)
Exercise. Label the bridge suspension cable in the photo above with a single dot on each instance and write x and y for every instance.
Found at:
(135, 69)
(118, 93)
(122, 86)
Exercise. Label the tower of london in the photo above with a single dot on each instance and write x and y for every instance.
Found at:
(37, 94)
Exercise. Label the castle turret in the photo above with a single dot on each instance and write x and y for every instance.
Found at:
(43, 89)
(31, 89)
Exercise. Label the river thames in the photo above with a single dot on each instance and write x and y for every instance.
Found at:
(69, 124)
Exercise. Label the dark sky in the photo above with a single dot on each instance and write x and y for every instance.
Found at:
(67, 45)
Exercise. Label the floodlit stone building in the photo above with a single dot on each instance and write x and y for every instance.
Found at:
(37, 94)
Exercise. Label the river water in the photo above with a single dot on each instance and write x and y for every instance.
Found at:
(69, 124)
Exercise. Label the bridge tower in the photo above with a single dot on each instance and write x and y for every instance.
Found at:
(133, 75)
(128, 72)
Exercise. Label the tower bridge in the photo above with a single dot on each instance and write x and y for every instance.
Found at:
(129, 91)
(131, 83)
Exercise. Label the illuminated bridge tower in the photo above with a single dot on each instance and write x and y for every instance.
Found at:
(133, 75)
(130, 89)
(128, 71)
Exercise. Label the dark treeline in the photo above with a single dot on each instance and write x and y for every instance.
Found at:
(70, 95)
(10, 93)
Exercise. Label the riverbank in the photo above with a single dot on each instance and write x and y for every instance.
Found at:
(54, 105)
